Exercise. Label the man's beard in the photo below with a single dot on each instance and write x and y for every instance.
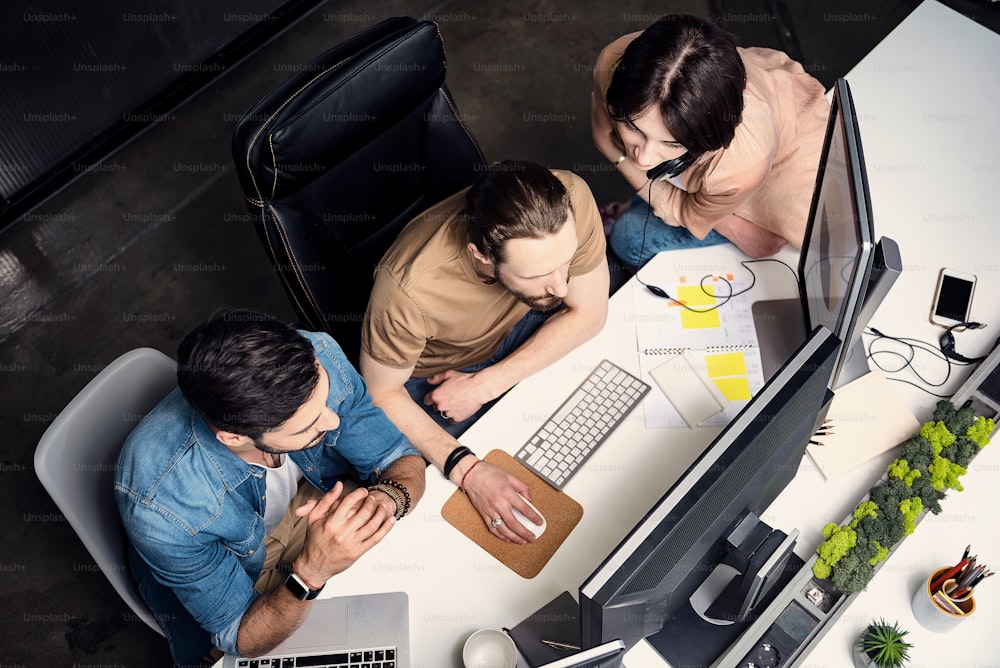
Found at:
(537, 303)
(260, 445)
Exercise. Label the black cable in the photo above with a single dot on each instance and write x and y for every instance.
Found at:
(660, 292)
(912, 346)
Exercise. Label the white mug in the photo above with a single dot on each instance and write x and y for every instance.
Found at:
(489, 648)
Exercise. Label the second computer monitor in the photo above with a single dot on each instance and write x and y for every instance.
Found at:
(836, 259)
(837, 286)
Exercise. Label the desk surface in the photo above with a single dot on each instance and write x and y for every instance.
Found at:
(927, 113)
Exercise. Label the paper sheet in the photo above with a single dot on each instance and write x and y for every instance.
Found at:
(720, 346)
(867, 418)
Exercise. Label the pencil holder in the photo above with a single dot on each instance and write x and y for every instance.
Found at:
(936, 611)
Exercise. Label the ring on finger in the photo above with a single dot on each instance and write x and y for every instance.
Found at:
(497, 521)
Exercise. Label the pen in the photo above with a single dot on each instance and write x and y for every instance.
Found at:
(554, 644)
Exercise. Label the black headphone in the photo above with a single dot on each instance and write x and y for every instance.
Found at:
(947, 342)
(670, 168)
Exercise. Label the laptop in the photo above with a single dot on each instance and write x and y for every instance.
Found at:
(371, 630)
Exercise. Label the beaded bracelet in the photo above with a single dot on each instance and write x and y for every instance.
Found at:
(404, 492)
(397, 492)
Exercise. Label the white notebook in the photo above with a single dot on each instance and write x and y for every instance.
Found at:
(712, 350)
(867, 418)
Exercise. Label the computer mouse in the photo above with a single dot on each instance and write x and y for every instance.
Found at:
(536, 529)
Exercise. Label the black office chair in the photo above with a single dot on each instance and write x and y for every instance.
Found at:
(341, 156)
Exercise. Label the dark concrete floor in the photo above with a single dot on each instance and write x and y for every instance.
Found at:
(139, 250)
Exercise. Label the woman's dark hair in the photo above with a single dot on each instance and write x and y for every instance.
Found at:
(514, 199)
(689, 69)
(245, 372)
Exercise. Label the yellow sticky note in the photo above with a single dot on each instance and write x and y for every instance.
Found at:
(726, 364)
(734, 389)
(695, 297)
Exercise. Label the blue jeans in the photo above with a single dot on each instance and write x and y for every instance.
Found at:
(525, 327)
(626, 238)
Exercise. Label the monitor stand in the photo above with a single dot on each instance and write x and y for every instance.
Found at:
(781, 328)
(757, 564)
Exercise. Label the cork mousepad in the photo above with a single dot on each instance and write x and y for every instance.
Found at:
(561, 514)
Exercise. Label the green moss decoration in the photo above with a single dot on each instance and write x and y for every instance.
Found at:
(930, 463)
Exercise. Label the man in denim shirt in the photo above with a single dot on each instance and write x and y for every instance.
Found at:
(228, 548)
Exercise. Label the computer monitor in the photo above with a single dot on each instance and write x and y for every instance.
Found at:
(691, 573)
(843, 275)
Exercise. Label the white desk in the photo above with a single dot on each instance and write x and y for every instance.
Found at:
(926, 99)
(455, 587)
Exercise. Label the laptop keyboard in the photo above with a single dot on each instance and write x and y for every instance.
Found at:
(377, 657)
(571, 435)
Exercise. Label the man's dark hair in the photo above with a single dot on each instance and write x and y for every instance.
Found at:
(688, 68)
(245, 372)
(514, 199)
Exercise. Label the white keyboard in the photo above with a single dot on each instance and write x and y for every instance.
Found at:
(571, 435)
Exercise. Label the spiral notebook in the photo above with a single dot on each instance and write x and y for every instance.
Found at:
(705, 360)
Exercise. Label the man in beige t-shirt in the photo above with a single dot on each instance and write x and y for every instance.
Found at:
(478, 292)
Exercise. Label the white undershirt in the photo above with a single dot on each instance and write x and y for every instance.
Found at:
(281, 483)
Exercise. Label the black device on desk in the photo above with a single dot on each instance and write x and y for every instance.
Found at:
(843, 273)
(677, 574)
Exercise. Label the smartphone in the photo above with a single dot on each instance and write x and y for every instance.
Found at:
(953, 298)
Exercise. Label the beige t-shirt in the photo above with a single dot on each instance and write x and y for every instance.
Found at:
(768, 172)
(428, 307)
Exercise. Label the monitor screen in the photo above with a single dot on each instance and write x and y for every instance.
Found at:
(843, 276)
(836, 258)
(654, 576)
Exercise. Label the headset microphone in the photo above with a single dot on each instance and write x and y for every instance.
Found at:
(670, 168)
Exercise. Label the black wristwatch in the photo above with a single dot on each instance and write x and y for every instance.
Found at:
(300, 589)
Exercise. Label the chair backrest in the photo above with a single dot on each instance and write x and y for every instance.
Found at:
(75, 459)
(340, 157)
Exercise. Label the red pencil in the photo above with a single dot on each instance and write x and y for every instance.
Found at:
(936, 584)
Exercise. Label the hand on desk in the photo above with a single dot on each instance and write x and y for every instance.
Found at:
(458, 395)
(341, 529)
(494, 492)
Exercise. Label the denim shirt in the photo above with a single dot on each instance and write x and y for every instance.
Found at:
(194, 511)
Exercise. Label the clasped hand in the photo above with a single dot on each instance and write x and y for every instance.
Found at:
(341, 528)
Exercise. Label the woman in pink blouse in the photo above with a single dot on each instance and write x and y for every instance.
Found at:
(736, 133)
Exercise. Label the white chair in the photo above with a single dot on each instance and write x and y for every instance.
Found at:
(75, 459)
